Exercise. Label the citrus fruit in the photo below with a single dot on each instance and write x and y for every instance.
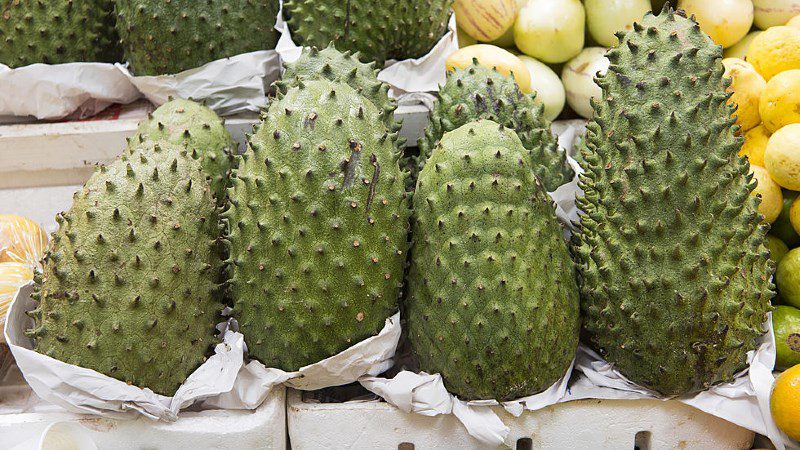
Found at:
(782, 157)
(770, 192)
(784, 402)
(775, 50)
(780, 100)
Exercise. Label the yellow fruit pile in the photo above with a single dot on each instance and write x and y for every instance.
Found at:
(22, 245)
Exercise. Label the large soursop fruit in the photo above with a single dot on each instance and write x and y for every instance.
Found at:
(478, 92)
(199, 129)
(56, 32)
(344, 67)
(129, 286)
(493, 302)
(170, 36)
(379, 29)
(318, 224)
(674, 274)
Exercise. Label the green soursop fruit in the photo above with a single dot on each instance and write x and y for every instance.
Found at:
(493, 302)
(477, 92)
(318, 223)
(56, 32)
(674, 273)
(198, 128)
(379, 29)
(344, 67)
(129, 287)
(170, 36)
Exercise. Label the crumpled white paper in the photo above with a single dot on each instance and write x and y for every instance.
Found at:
(58, 91)
(86, 391)
(409, 80)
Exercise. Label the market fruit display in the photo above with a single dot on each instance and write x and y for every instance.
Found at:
(779, 100)
(547, 86)
(493, 303)
(740, 49)
(781, 157)
(485, 20)
(770, 193)
(57, 32)
(317, 226)
(551, 31)
(379, 29)
(725, 21)
(130, 280)
(21, 240)
(578, 77)
(784, 400)
(200, 130)
(747, 86)
(770, 13)
(492, 57)
(775, 50)
(651, 249)
(478, 92)
(755, 144)
(604, 18)
(786, 322)
(170, 36)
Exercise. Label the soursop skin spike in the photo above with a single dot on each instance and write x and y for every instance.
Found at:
(379, 30)
(57, 32)
(493, 304)
(317, 227)
(170, 36)
(478, 92)
(129, 286)
(674, 274)
(200, 130)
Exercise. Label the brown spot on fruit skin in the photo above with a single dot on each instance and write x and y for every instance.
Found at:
(793, 341)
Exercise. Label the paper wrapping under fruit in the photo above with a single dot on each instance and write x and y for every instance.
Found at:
(410, 80)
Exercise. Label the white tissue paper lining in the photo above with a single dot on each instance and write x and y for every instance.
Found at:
(410, 80)
(58, 91)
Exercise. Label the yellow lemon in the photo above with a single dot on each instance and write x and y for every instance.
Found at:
(785, 400)
(770, 192)
(755, 142)
(740, 49)
(725, 21)
(746, 86)
(780, 100)
(782, 157)
(493, 57)
(775, 50)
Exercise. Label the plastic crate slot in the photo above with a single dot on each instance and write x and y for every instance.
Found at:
(524, 444)
(405, 446)
(642, 440)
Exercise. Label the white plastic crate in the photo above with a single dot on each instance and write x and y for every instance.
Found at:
(584, 424)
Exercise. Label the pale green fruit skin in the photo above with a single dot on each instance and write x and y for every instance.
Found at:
(740, 49)
(787, 277)
(551, 31)
(606, 17)
(771, 13)
(726, 21)
(578, 78)
(548, 87)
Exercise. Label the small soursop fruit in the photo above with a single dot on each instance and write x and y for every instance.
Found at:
(198, 128)
(129, 285)
(493, 302)
(318, 224)
(674, 274)
(57, 32)
(346, 67)
(478, 92)
(170, 36)
(379, 29)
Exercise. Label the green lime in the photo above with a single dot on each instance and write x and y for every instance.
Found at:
(782, 227)
(786, 324)
(787, 277)
(777, 249)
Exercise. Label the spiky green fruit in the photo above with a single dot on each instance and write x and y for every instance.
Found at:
(493, 302)
(199, 129)
(478, 92)
(129, 286)
(674, 274)
(318, 223)
(344, 67)
(56, 32)
(170, 36)
(379, 29)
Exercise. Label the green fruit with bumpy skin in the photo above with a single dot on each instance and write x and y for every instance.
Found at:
(318, 224)
(197, 128)
(344, 67)
(57, 32)
(674, 274)
(170, 36)
(379, 29)
(129, 285)
(493, 302)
